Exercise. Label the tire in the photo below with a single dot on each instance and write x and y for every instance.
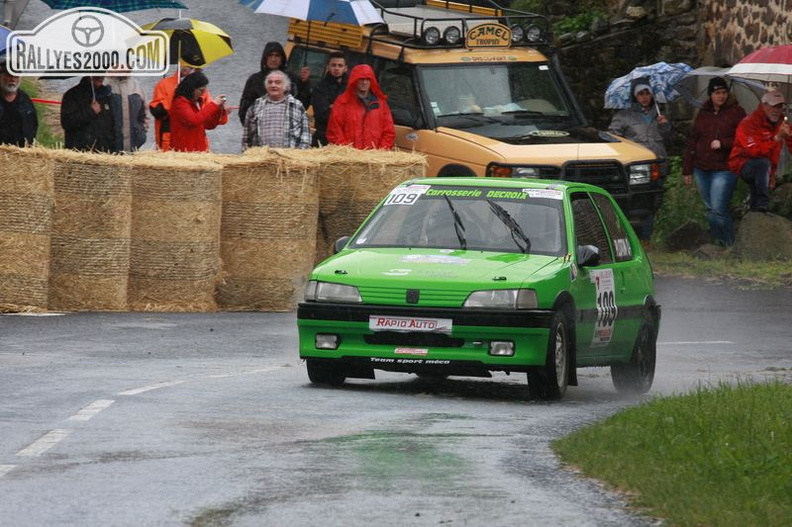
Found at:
(636, 377)
(550, 381)
(325, 372)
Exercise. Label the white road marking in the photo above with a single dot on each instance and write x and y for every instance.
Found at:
(694, 342)
(45, 443)
(5, 469)
(91, 410)
(157, 386)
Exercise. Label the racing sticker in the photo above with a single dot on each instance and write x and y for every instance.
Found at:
(406, 195)
(411, 351)
(548, 193)
(606, 306)
(435, 259)
(623, 249)
(410, 324)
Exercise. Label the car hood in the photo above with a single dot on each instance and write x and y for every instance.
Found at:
(508, 142)
(435, 268)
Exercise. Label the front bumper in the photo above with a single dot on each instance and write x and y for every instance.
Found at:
(463, 351)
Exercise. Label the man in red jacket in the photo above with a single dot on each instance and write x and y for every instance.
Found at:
(757, 147)
(361, 116)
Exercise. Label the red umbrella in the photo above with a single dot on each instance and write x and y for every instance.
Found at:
(773, 64)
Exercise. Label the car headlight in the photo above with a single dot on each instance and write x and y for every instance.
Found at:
(644, 173)
(317, 291)
(527, 172)
(502, 299)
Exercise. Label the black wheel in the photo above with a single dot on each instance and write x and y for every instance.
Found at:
(637, 376)
(325, 372)
(551, 380)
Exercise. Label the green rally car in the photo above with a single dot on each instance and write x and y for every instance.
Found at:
(466, 276)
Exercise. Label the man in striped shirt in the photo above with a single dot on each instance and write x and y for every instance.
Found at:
(276, 119)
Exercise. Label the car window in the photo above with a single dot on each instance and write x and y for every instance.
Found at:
(618, 232)
(511, 222)
(588, 227)
(396, 82)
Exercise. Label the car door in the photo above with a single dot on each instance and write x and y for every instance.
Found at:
(632, 280)
(595, 288)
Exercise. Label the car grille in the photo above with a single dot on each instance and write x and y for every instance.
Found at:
(398, 296)
(435, 340)
(609, 176)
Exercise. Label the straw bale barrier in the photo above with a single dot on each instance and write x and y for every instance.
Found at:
(26, 194)
(90, 231)
(268, 232)
(351, 183)
(175, 232)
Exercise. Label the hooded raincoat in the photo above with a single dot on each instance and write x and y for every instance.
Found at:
(362, 123)
(755, 137)
(254, 87)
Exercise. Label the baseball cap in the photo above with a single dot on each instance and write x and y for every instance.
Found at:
(773, 98)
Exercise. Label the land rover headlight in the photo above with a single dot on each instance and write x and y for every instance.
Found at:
(517, 33)
(640, 174)
(452, 35)
(317, 291)
(533, 34)
(502, 299)
(528, 172)
(431, 36)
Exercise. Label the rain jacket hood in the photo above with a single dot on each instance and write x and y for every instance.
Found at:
(362, 71)
(269, 48)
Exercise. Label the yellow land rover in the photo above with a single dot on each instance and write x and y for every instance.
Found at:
(473, 89)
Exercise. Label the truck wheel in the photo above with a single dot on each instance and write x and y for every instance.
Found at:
(325, 372)
(551, 380)
(636, 377)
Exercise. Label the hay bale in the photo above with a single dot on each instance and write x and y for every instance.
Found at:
(351, 183)
(26, 195)
(90, 243)
(268, 231)
(175, 232)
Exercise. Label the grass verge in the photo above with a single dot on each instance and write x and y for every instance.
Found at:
(718, 456)
(743, 273)
(50, 134)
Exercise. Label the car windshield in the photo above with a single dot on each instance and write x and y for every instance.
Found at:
(509, 93)
(478, 219)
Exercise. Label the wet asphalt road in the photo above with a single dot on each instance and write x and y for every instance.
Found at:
(208, 419)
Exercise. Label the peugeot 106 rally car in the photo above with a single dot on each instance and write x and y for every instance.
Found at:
(466, 276)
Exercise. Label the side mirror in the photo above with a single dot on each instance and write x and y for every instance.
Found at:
(588, 256)
(341, 243)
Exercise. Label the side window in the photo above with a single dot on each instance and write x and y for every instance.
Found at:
(588, 227)
(313, 58)
(396, 80)
(618, 232)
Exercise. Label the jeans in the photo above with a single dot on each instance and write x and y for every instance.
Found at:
(756, 172)
(716, 188)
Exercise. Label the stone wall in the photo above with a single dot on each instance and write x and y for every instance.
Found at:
(699, 33)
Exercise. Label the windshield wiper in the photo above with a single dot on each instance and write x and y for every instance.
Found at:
(514, 227)
(522, 112)
(458, 227)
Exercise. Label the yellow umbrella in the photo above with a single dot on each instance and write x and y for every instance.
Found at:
(199, 43)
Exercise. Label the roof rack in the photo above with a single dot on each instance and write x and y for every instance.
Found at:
(413, 20)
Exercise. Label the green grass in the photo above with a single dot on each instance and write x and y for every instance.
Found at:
(718, 456)
(745, 274)
(49, 134)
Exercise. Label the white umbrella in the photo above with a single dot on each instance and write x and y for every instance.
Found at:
(693, 87)
(354, 12)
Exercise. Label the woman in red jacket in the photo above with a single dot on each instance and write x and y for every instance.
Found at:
(189, 119)
(707, 158)
(360, 116)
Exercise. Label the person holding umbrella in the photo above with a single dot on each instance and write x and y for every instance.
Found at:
(707, 157)
(190, 117)
(87, 117)
(757, 148)
(644, 124)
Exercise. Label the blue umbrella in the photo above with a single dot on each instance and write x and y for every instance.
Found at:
(119, 6)
(661, 76)
(354, 12)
